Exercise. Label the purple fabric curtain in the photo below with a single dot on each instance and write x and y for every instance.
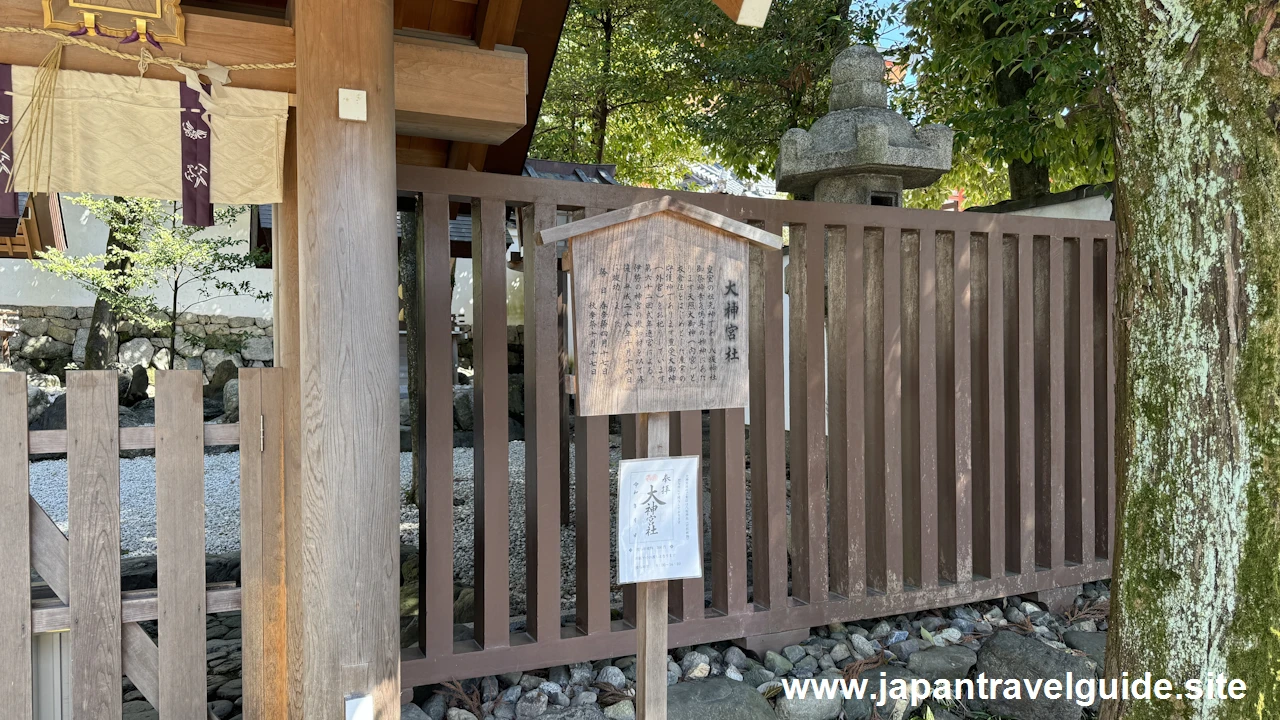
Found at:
(197, 208)
(8, 200)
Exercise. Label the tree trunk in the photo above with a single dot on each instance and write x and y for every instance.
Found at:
(1028, 180)
(101, 347)
(409, 243)
(600, 114)
(1197, 556)
(1012, 85)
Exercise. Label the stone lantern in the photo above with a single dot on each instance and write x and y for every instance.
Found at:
(861, 152)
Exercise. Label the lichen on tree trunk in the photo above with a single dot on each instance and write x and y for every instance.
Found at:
(1197, 557)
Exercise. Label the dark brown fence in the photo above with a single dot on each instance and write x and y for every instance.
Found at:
(953, 443)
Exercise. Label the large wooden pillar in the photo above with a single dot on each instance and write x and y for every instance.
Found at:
(347, 560)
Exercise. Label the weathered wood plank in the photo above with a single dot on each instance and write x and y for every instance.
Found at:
(847, 340)
(51, 615)
(180, 541)
(48, 550)
(492, 472)
(927, 412)
(893, 495)
(808, 412)
(542, 427)
(132, 438)
(962, 418)
(1057, 406)
(435, 548)
(141, 662)
(686, 598)
(93, 500)
(1084, 547)
(15, 568)
(768, 434)
(1022, 524)
(592, 518)
(253, 473)
(651, 598)
(728, 512)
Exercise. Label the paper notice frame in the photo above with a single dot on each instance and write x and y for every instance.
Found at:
(659, 534)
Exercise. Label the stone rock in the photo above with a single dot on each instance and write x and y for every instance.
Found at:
(529, 683)
(695, 665)
(215, 357)
(580, 674)
(862, 647)
(757, 676)
(613, 676)
(809, 708)
(46, 348)
(794, 653)
(259, 347)
(64, 334)
(531, 705)
(1092, 644)
(79, 349)
(54, 416)
(585, 711)
(133, 388)
(222, 709)
(226, 371)
(35, 327)
(505, 679)
(777, 664)
(586, 697)
(458, 714)
(947, 636)
(232, 690)
(1011, 656)
(881, 631)
(488, 688)
(38, 400)
(908, 647)
(231, 398)
(735, 657)
(936, 663)
(1014, 615)
(409, 711)
(511, 694)
(239, 322)
(549, 688)
(717, 699)
(624, 710)
(893, 709)
(137, 351)
(733, 673)
(463, 408)
(840, 652)
(560, 700)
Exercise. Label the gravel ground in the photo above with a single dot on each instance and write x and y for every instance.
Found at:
(222, 512)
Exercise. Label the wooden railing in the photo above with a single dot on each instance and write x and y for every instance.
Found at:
(82, 567)
(954, 442)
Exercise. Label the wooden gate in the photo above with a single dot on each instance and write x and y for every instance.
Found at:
(81, 568)
(953, 441)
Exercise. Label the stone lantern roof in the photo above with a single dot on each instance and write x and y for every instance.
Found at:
(861, 138)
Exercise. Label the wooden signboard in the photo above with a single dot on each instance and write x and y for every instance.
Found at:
(660, 307)
(661, 296)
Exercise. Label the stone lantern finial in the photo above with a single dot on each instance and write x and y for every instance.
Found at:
(861, 152)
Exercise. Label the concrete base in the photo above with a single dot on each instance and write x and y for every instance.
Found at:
(760, 644)
(1058, 600)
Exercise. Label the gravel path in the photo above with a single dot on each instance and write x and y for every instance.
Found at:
(222, 512)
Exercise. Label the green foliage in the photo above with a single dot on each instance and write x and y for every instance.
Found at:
(1020, 81)
(654, 85)
(155, 254)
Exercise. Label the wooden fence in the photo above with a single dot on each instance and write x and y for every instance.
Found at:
(81, 568)
(953, 442)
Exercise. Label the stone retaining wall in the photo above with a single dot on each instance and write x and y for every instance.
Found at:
(51, 338)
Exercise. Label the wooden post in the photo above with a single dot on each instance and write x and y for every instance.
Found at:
(346, 569)
(651, 605)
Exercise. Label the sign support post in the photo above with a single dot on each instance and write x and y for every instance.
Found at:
(651, 606)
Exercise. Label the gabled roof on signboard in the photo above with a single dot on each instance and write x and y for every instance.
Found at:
(663, 204)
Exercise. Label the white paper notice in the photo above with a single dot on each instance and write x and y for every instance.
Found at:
(658, 519)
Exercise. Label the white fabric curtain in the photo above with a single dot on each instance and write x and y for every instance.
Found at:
(119, 135)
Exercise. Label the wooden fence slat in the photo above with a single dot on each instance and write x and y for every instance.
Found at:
(435, 507)
(846, 410)
(141, 662)
(50, 615)
(49, 550)
(1109, 307)
(1057, 405)
(768, 434)
(635, 444)
(45, 442)
(15, 567)
(807, 289)
(542, 427)
(180, 541)
(728, 512)
(994, 506)
(892, 389)
(927, 357)
(263, 542)
(592, 518)
(492, 471)
(962, 419)
(93, 511)
(1089, 476)
(686, 598)
(1022, 521)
